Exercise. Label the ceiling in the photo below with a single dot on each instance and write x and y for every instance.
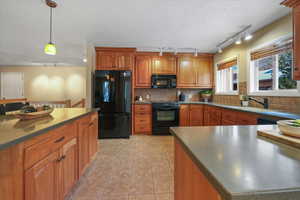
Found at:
(200, 24)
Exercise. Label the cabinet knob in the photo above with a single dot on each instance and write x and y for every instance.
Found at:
(60, 139)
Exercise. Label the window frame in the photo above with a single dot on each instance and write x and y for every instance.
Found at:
(251, 81)
(216, 76)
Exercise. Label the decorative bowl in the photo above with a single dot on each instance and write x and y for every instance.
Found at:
(33, 115)
(288, 127)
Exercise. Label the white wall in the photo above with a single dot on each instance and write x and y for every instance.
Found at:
(52, 83)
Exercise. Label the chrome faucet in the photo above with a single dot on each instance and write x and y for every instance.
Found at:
(265, 102)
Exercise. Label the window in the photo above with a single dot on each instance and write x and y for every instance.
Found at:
(271, 70)
(227, 77)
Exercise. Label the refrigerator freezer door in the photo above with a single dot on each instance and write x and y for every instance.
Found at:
(116, 125)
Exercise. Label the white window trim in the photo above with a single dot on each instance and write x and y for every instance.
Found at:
(251, 91)
(238, 75)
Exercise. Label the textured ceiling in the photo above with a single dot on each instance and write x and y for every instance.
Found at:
(198, 24)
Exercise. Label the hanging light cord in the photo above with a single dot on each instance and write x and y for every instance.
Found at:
(51, 11)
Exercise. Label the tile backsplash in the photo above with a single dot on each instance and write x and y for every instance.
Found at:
(168, 94)
(288, 104)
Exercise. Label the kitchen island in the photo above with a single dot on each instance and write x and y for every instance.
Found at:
(233, 163)
(44, 158)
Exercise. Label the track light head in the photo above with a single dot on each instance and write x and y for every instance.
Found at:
(161, 52)
(238, 41)
(248, 36)
(196, 53)
(220, 50)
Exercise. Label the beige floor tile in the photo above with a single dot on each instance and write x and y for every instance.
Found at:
(135, 169)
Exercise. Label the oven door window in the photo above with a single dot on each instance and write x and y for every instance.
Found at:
(164, 116)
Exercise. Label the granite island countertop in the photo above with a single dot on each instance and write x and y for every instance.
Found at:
(255, 110)
(14, 131)
(242, 165)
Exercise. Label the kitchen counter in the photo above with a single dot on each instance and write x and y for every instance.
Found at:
(260, 111)
(240, 165)
(14, 131)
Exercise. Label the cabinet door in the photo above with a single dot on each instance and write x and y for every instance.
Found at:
(42, 180)
(196, 115)
(186, 76)
(83, 144)
(164, 65)
(124, 61)
(106, 60)
(184, 115)
(69, 166)
(204, 72)
(93, 136)
(296, 16)
(143, 72)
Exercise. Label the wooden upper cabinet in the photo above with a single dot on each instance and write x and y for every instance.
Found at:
(184, 115)
(295, 4)
(142, 71)
(204, 70)
(114, 58)
(186, 74)
(194, 72)
(105, 60)
(42, 180)
(165, 64)
(124, 60)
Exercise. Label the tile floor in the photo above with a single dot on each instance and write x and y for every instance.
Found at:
(140, 168)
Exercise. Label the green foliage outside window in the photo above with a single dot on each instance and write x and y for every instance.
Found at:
(285, 71)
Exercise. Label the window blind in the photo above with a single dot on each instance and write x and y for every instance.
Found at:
(271, 50)
(228, 64)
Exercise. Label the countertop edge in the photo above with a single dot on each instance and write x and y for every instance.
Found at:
(226, 195)
(271, 113)
(219, 187)
(42, 131)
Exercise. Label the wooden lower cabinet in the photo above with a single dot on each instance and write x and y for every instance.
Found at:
(142, 119)
(42, 180)
(69, 166)
(189, 182)
(212, 116)
(83, 144)
(191, 115)
(46, 167)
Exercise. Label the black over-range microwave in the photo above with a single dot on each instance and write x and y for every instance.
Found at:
(163, 81)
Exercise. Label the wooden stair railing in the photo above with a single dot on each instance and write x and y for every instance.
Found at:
(79, 104)
(55, 104)
(5, 101)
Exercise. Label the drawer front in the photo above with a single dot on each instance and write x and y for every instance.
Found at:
(143, 109)
(141, 128)
(39, 151)
(143, 119)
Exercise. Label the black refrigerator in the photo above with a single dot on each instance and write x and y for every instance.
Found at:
(112, 94)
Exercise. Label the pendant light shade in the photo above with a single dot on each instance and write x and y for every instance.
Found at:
(50, 49)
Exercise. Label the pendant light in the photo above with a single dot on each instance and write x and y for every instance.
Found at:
(50, 48)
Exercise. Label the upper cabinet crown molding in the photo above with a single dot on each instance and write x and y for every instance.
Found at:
(132, 50)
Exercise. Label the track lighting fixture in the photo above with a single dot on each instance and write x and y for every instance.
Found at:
(220, 50)
(238, 41)
(196, 53)
(236, 38)
(248, 36)
(161, 52)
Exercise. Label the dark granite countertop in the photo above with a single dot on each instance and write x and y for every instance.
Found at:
(242, 165)
(260, 111)
(14, 131)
